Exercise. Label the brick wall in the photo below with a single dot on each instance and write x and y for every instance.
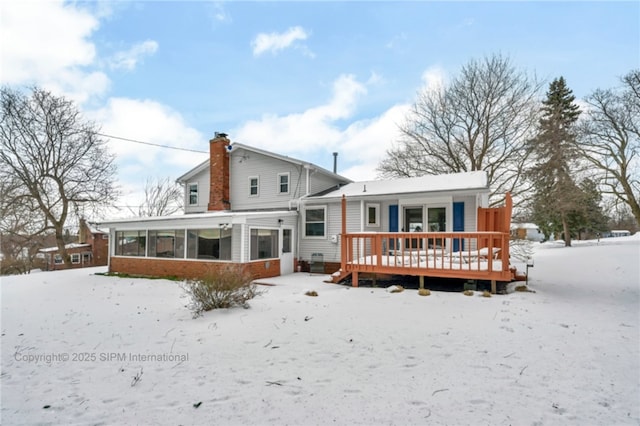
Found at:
(219, 174)
(185, 268)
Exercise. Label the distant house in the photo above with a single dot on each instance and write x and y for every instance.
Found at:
(91, 249)
(620, 233)
(277, 214)
(527, 231)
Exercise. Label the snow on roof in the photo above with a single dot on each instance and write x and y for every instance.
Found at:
(67, 246)
(427, 183)
(204, 215)
(524, 226)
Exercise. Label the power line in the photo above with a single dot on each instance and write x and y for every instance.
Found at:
(152, 144)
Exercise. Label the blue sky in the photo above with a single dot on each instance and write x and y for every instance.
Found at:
(298, 78)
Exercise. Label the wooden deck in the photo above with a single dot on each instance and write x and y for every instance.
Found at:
(482, 255)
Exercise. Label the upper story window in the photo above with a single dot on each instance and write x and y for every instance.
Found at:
(193, 194)
(254, 188)
(283, 183)
(315, 222)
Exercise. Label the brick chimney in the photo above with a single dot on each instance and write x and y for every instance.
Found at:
(219, 173)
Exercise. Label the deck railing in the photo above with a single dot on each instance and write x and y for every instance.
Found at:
(467, 255)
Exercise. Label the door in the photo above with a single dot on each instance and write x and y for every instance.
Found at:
(436, 222)
(413, 222)
(286, 256)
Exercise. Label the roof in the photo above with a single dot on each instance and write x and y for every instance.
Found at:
(524, 226)
(234, 146)
(67, 246)
(199, 216)
(428, 183)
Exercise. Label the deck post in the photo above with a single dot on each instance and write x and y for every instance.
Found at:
(421, 282)
(343, 244)
(354, 279)
(493, 287)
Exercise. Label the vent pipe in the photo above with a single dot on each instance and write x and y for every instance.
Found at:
(335, 162)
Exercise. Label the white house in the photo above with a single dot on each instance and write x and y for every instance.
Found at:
(276, 214)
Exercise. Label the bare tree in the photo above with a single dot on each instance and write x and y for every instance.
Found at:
(481, 121)
(610, 140)
(56, 157)
(162, 197)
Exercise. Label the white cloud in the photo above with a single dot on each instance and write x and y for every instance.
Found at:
(47, 43)
(316, 132)
(149, 121)
(434, 78)
(128, 59)
(311, 129)
(218, 13)
(274, 42)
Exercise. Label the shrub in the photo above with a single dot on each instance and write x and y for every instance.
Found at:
(424, 292)
(226, 287)
(468, 292)
(486, 293)
(312, 293)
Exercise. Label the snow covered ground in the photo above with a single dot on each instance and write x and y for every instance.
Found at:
(80, 348)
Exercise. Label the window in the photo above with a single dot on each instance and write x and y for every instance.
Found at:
(214, 244)
(253, 186)
(131, 243)
(75, 258)
(169, 243)
(373, 214)
(86, 257)
(286, 240)
(264, 244)
(283, 183)
(57, 259)
(314, 222)
(193, 194)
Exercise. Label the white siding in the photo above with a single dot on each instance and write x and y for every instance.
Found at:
(202, 179)
(329, 250)
(244, 164)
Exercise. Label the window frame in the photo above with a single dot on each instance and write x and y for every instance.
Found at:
(141, 239)
(189, 193)
(222, 244)
(155, 238)
(279, 183)
(324, 222)
(274, 234)
(75, 256)
(257, 186)
(376, 207)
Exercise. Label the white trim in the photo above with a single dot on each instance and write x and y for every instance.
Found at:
(77, 262)
(304, 222)
(375, 206)
(189, 203)
(257, 194)
(279, 183)
(267, 228)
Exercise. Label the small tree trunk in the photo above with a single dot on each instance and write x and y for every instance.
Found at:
(61, 246)
(567, 234)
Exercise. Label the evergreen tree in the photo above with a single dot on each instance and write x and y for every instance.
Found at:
(590, 218)
(554, 149)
